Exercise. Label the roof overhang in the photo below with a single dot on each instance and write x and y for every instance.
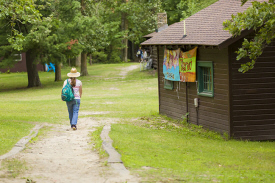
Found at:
(232, 40)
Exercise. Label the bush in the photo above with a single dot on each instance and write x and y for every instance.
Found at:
(99, 56)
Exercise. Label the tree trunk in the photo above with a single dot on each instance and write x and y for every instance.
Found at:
(84, 71)
(133, 52)
(78, 60)
(124, 27)
(33, 77)
(90, 56)
(58, 72)
(109, 54)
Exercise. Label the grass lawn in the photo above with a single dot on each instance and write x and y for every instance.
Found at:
(103, 91)
(156, 148)
(159, 151)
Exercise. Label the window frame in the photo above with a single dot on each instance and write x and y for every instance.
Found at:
(200, 88)
(19, 55)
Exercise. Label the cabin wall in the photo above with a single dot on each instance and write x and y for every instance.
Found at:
(213, 112)
(20, 66)
(154, 57)
(253, 96)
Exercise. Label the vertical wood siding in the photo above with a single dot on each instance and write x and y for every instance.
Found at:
(253, 96)
(172, 103)
(155, 57)
(213, 113)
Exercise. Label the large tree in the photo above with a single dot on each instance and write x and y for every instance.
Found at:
(126, 20)
(19, 19)
(261, 18)
(65, 30)
(42, 29)
(178, 10)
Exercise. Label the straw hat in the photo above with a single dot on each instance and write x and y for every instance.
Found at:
(73, 73)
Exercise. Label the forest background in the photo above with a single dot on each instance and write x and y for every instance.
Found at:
(105, 31)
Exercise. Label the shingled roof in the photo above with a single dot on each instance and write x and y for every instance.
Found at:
(150, 35)
(202, 28)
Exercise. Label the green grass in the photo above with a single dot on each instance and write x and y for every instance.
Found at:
(96, 142)
(191, 154)
(11, 133)
(152, 147)
(103, 91)
(13, 167)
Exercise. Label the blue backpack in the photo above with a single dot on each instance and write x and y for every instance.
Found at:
(67, 92)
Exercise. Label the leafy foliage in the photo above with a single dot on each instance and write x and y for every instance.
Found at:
(178, 10)
(261, 18)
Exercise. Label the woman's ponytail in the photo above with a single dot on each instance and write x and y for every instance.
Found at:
(73, 82)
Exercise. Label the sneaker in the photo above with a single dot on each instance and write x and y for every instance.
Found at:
(74, 127)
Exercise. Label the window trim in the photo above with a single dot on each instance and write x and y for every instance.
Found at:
(200, 91)
(20, 55)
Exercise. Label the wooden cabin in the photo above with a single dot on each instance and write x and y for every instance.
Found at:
(153, 51)
(20, 65)
(240, 104)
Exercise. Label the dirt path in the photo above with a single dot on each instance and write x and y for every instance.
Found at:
(65, 156)
(125, 71)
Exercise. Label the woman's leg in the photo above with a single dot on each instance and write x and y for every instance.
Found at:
(76, 106)
(70, 110)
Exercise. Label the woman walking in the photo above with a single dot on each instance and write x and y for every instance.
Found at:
(73, 106)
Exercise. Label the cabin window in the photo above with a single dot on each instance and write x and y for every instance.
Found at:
(205, 79)
(17, 57)
(168, 84)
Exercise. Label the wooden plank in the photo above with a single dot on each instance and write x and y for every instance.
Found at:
(254, 111)
(222, 99)
(178, 113)
(223, 106)
(254, 85)
(215, 110)
(249, 97)
(220, 127)
(269, 49)
(254, 127)
(221, 91)
(172, 106)
(219, 71)
(254, 117)
(212, 116)
(263, 101)
(270, 132)
(171, 94)
(254, 72)
(223, 86)
(172, 99)
(252, 106)
(257, 79)
(245, 122)
(262, 91)
(220, 79)
(265, 61)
